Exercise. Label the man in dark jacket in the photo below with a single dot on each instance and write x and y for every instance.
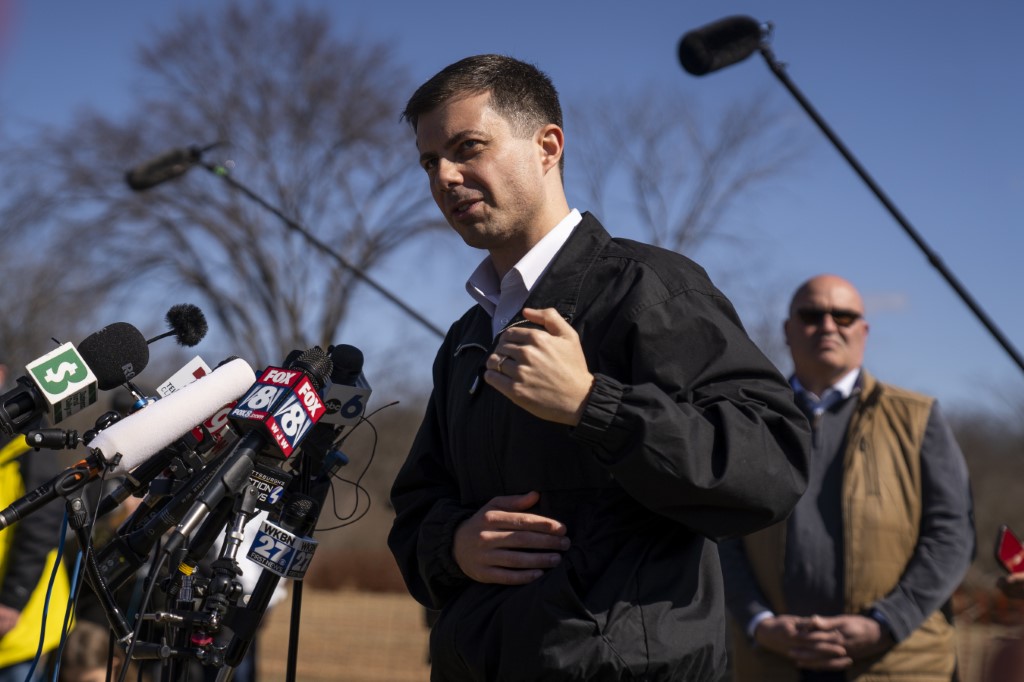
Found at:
(597, 420)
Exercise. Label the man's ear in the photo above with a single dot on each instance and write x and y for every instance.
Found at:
(551, 141)
(3, 374)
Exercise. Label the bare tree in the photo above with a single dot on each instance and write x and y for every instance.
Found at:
(45, 283)
(677, 172)
(674, 174)
(304, 121)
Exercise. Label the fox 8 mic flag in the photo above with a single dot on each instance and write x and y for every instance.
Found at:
(283, 403)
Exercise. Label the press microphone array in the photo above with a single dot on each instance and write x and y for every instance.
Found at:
(218, 451)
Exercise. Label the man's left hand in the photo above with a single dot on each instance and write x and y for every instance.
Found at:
(543, 370)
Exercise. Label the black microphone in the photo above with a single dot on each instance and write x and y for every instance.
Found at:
(129, 549)
(173, 164)
(117, 353)
(64, 381)
(719, 44)
(297, 519)
(348, 392)
(187, 323)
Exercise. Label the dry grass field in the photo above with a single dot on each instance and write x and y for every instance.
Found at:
(348, 636)
(353, 636)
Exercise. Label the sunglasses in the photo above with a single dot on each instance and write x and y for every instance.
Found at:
(815, 316)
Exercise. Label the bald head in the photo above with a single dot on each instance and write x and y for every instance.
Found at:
(826, 331)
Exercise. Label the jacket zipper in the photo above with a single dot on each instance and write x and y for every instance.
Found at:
(483, 366)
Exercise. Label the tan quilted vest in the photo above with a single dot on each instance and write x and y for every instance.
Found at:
(881, 515)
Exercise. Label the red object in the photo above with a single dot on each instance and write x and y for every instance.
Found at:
(1009, 551)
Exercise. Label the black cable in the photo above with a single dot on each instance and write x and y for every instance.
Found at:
(157, 564)
(356, 484)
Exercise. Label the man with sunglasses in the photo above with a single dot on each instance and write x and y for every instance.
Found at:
(856, 584)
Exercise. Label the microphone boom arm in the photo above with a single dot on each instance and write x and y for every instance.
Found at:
(222, 173)
(780, 72)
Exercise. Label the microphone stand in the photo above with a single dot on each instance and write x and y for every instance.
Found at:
(779, 70)
(223, 173)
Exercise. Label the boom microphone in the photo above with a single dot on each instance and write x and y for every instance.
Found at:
(719, 44)
(140, 436)
(64, 381)
(173, 164)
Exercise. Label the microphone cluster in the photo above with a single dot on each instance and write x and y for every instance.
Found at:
(219, 449)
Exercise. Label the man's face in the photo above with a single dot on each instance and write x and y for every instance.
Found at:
(486, 180)
(826, 331)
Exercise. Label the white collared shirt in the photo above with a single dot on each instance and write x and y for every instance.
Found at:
(841, 390)
(502, 300)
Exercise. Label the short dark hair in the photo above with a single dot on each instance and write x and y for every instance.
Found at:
(520, 92)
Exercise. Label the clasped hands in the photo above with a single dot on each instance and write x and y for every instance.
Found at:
(822, 642)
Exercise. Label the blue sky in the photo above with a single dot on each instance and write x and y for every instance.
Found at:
(928, 96)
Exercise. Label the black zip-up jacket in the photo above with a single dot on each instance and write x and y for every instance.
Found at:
(689, 434)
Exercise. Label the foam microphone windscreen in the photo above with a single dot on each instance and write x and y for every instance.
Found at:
(140, 436)
(188, 323)
(719, 44)
(115, 354)
(348, 363)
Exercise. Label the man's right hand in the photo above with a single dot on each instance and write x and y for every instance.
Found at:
(503, 544)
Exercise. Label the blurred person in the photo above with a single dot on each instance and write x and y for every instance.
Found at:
(856, 584)
(84, 658)
(28, 551)
(1012, 585)
(1005, 661)
(598, 419)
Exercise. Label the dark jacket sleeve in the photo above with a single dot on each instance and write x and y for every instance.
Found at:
(946, 542)
(34, 536)
(706, 432)
(426, 495)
